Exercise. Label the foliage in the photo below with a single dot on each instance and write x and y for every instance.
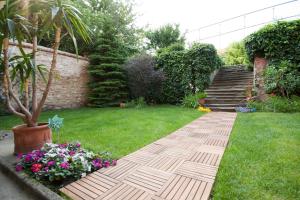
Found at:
(56, 15)
(143, 79)
(282, 78)
(277, 104)
(120, 131)
(94, 13)
(235, 54)
(200, 61)
(276, 42)
(192, 100)
(164, 37)
(136, 103)
(107, 78)
(170, 60)
(186, 71)
(61, 162)
(261, 158)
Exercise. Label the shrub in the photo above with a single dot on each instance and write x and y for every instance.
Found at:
(277, 104)
(186, 71)
(143, 79)
(200, 61)
(136, 103)
(192, 100)
(62, 162)
(236, 54)
(276, 42)
(283, 79)
(170, 60)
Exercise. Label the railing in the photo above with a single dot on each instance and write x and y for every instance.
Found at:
(240, 26)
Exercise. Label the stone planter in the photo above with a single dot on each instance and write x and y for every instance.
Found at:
(27, 139)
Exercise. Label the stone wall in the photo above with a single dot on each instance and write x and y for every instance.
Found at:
(69, 87)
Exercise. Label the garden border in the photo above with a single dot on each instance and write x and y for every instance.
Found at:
(36, 188)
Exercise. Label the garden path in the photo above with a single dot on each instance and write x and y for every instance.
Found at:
(182, 165)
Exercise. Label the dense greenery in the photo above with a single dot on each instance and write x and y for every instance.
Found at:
(277, 104)
(164, 37)
(187, 71)
(119, 131)
(235, 54)
(262, 158)
(282, 78)
(107, 78)
(192, 100)
(143, 79)
(94, 16)
(276, 42)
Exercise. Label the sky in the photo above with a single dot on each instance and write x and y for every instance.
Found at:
(193, 14)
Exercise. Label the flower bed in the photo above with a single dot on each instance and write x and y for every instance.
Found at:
(62, 162)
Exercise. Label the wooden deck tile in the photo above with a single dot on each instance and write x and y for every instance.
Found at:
(181, 166)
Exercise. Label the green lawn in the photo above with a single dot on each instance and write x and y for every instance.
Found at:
(119, 131)
(262, 160)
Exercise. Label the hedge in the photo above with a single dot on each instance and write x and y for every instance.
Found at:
(276, 42)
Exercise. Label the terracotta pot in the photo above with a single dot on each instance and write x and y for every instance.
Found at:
(31, 138)
(201, 101)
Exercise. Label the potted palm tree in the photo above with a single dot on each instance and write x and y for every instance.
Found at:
(30, 20)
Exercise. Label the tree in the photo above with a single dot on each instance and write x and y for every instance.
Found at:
(236, 54)
(164, 37)
(107, 83)
(63, 18)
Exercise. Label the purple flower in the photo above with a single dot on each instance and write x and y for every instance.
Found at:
(28, 158)
(19, 168)
(78, 145)
(96, 163)
(20, 155)
(72, 153)
(65, 165)
(62, 146)
(51, 163)
(46, 169)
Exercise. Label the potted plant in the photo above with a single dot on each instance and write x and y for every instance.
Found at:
(30, 20)
(201, 98)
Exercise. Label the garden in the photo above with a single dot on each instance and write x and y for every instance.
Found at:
(143, 84)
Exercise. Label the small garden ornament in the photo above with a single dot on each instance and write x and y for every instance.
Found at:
(55, 124)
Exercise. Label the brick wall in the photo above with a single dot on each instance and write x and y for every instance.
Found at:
(260, 65)
(69, 87)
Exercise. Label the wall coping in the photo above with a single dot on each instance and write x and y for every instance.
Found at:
(49, 50)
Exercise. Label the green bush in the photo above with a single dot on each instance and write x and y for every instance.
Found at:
(236, 54)
(192, 100)
(186, 71)
(276, 42)
(277, 104)
(136, 103)
(283, 79)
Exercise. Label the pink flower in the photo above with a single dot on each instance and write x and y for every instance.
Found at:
(106, 164)
(28, 158)
(114, 163)
(78, 145)
(36, 167)
(19, 168)
(51, 163)
(20, 155)
(46, 169)
(65, 165)
(72, 153)
(97, 164)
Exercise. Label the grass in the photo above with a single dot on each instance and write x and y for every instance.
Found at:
(119, 131)
(262, 160)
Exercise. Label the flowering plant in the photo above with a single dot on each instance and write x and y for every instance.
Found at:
(58, 162)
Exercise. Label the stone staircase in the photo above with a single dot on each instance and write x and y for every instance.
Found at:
(228, 89)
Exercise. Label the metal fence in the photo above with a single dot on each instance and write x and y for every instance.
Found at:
(236, 28)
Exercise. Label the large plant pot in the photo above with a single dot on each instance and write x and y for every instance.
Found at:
(31, 138)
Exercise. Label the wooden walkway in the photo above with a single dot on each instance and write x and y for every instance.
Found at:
(181, 166)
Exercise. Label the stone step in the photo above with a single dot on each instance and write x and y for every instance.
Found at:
(224, 101)
(221, 105)
(225, 97)
(224, 78)
(223, 109)
(220, 90)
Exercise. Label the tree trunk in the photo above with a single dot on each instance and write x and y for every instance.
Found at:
(38, 111)
(34, 51)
